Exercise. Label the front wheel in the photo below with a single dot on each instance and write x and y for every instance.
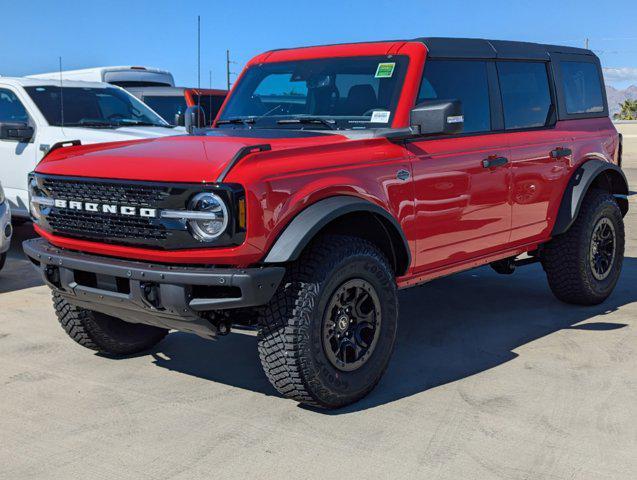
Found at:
(327, 335)
(103, 333)
(583, 264)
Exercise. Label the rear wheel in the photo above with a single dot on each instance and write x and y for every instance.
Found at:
(104, 333)
(3, 259)
(583, 265)
(327, 335)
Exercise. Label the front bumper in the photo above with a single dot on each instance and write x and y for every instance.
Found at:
(5, 227)
(181, 298)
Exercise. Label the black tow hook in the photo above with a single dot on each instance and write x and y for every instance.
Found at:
(151, 294)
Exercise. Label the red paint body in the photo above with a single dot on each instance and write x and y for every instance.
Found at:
(455, 214)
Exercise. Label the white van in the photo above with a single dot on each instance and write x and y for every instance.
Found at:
(125, 76)
(36, 115)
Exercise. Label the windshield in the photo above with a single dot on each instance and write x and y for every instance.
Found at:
(168, 107)
(92, 107)
(337, 93)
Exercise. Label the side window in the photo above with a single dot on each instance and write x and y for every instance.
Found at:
(11, 109)
(582, 88)
(464, 80)
(526, 97)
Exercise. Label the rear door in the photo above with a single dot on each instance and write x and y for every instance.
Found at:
(541, 152)
(462, 203)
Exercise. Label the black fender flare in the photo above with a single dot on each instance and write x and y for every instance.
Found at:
(304, 227)
(579, 184)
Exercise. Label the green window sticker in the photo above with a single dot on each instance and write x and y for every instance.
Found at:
(385, 70)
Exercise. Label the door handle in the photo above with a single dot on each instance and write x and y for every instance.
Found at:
(494, 162)
(560, 152)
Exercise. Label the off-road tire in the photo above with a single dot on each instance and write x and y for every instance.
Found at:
(566, 258)
(104, 333)
(290, 339)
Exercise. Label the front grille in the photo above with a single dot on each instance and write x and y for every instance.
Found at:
(135, 229)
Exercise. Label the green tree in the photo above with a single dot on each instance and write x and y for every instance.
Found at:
(628, 111)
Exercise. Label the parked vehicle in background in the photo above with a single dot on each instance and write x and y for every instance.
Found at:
(37, 116)
(123, 76)
(336, 175)
(6, 230)
(171, 102)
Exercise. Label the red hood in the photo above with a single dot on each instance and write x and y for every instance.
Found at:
(189, 159)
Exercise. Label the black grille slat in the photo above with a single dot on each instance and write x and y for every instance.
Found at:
(136, 195)
(94, 225)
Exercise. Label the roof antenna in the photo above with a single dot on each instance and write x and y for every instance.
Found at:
(61, 95)
(198, 70)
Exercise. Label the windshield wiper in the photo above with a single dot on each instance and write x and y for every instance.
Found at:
(308, 120)
(91, 123)
(140, 123)
(247, 121)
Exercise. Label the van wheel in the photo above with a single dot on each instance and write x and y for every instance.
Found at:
(583, 264)
(104, 333)
(328, 333)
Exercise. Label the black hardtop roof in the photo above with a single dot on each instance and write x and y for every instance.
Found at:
(448, 47)
(439, 47)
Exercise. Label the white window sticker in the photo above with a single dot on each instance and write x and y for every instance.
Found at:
(385, 70)
(455, 119)
(380, 117)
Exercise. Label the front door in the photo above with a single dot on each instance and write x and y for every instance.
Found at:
(17, 159)
(462, 183)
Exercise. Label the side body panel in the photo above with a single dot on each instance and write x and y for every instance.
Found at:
(462, 208)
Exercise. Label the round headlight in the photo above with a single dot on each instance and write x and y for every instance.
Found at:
(213, 219)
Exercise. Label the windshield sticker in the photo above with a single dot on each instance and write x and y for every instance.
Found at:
(380, 117)
(385, 70)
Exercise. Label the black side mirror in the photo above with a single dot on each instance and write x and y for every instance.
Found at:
(437, 117)
(18, 132)
(179, 120)
(195, 117)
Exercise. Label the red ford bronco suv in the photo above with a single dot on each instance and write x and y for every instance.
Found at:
(334, 176)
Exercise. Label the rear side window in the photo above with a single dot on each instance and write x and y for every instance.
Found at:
(464, 80)
(11, 109)
(526, 97)
(582, 88)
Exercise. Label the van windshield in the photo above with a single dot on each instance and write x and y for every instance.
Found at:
(92, 107)
(330, 93)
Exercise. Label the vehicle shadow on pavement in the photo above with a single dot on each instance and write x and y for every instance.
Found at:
(449, 329)
(18, 272)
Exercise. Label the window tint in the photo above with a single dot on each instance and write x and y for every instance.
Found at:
(91, 107)
(11, 109)
(463, 80)
(210, 104)
(167, 106)
(582, 88)
(526, 96)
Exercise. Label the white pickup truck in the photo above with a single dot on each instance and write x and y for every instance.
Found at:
(37, 115)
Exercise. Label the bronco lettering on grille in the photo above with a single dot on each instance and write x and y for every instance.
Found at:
(105, 208)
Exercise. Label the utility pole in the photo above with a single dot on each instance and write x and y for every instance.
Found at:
(199, 51)
(228, 72)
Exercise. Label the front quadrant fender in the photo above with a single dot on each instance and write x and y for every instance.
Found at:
(304, 227)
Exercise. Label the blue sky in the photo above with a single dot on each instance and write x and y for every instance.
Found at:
(163, 33)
